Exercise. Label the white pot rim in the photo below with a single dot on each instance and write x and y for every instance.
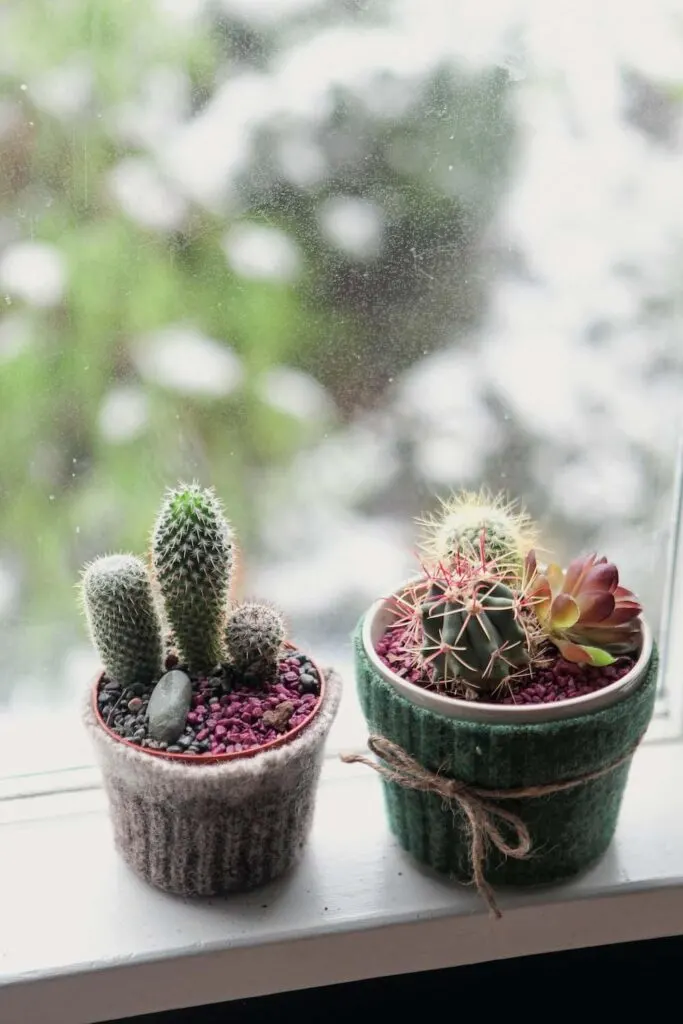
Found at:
(380, 614)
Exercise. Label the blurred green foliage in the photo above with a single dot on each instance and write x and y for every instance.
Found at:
(434, 170)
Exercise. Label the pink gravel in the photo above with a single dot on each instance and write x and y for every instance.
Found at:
(560, 680)
(234, 722)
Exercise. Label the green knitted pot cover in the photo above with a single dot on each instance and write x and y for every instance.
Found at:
(569, 830)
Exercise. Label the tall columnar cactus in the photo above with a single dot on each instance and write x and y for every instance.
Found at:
(192, 556)
(122, 619)
(476, 524)
(254, 634)
(473, 633)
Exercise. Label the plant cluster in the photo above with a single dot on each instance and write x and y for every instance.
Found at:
(484, 610)
(130, 607)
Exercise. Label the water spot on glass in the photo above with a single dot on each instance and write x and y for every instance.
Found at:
(23, 87)
(78, 529)
(8, 300)
(450, 167)
(52, 497)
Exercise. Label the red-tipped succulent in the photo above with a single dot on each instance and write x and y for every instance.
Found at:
(584, 611)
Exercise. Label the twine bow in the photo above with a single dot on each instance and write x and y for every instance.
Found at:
(484, 816)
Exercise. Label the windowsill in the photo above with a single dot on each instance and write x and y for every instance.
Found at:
(85, 940)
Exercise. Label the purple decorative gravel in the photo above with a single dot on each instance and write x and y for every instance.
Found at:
(560, 680)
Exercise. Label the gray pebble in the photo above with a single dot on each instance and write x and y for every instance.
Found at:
(169, 705)
(174, 749)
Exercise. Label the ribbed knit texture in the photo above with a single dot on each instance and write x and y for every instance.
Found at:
(569, 830)
(203, 830)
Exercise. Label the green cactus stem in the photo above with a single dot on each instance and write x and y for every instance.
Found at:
(122, 619)
(480, 526)
(472, 635)
(192, 554)
(254, 634)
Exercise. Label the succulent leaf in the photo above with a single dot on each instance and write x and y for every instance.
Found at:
(584, 611)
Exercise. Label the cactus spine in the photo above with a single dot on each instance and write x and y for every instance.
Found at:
(122, 619)
(254, 634)
(192, 555)
(472, 633)
(478, 525)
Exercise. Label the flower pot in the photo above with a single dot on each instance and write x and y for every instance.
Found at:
(199, 826)
(493, 747)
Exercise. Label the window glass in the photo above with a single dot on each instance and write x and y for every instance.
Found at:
(335, 258)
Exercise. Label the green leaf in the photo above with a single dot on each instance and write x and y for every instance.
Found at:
(597, 656)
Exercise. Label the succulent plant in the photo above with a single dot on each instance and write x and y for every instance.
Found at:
(192, 555)
(584, 611)
(122, 618)
(476, 525)
(474, 633)
(254, 634)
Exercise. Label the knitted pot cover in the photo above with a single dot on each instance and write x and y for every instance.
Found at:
(203, 830)
(569, 830)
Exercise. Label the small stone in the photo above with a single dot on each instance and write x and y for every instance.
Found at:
(174, 749)
(185, 741)
(308, 683)
(278, 718)
(135, 704)
(112, 687)
(169, 705)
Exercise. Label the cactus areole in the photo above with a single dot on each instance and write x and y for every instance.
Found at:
(223, 682)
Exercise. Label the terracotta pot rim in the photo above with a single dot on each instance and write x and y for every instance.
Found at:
(503, 714)
(204, 759)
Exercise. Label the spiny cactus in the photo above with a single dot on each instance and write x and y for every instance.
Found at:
(192, 557)
(473, 634)
(476, 524)
(122, 619)
(254, 634)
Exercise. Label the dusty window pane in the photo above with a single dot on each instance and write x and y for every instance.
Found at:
(335, 258)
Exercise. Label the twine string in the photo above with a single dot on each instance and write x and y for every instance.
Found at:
(483, 813)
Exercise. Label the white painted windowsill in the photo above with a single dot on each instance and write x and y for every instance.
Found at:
(83, 940)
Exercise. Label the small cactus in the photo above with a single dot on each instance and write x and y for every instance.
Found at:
(478, 525)
(192, 556)
(473, 634)
(122, 619)
(254, 634)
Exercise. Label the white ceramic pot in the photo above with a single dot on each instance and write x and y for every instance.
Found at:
(382, 614)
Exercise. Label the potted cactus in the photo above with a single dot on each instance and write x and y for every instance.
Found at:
(208, 724)
(505, 700)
